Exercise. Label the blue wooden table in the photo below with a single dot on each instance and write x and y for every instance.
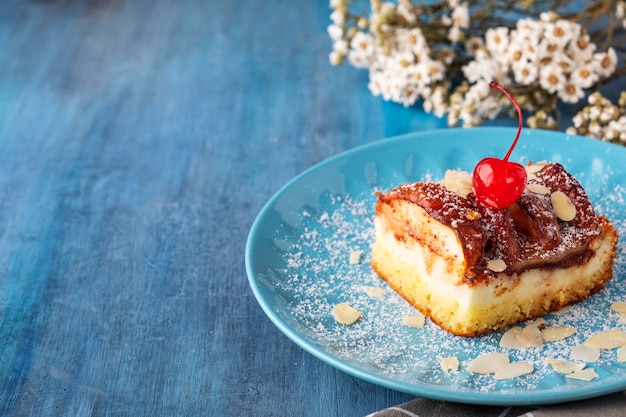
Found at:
(138, 141)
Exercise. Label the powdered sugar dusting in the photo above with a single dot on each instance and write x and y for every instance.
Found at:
(316, 273)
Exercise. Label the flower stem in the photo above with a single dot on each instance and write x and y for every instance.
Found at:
(494, 84)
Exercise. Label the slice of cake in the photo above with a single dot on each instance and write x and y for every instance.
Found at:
(472, 268)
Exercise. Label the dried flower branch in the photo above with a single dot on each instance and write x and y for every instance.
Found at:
(443, 54)
(602, 119)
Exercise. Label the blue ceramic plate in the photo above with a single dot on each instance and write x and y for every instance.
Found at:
(298, 263)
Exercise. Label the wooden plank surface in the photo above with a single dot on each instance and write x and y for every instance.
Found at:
(138, 141)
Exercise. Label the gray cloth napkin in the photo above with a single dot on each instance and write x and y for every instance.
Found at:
(613, 405)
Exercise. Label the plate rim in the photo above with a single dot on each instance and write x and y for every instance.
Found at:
(502, 398)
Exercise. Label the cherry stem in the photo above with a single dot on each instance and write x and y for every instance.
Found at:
(494, 84)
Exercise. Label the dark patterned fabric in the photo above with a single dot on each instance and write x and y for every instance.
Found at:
(613, 405)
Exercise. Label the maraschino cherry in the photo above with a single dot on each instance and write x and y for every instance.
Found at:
(498, 183)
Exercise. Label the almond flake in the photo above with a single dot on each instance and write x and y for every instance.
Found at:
(609, 339)
(621, 318)
(375, 292)
(496, 265)
(416, 320)
(584, 353)
(531, 336)
(584, 375)
(621, 354)
(450, 364)
(619, 306)
(510, 339)
(344, 313)
(563, 206)
(513, 370)
(488, 363)
(555, 333)
(355, 257)
(538, 189)
(565, 367)
(534, 168)
(459, 182)
(538, 322)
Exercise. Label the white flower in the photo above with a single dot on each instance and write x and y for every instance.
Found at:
(454, 34)
(581, 48)
(477, 104)
(361, 50)
(565, 62)
(605, 62)
(515, 51)
(408, 95)
(446, 55)
(358, 60)
(548, 16)
(525, 73)
(595, 98)
(609, 113)
(620, 126)
(436, 70)
(578, 120)
(530, 48)
(338, 18)
(397, 90)
(405, 10)
(426, 72)
(611, 132)
(484, 68)
(383, 84)
(542, 120)
(419, 74)
(529, 29)
(477, 69)
(400, 62)
(549, 52)
(482, 54)
(341, 46)
(595, 129)
(473, 44)
(335, 57)
(335, 32)
(434, 101)
(497, 39)
(461, 16)
(489, 104)
(363, 41)
(412, 40)
(387, 8)
(395, 77)
(377, 83)
(561, 31)
(584, 75)
(594, 113)
(551, 78)
(335, 3)
(570, 93)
